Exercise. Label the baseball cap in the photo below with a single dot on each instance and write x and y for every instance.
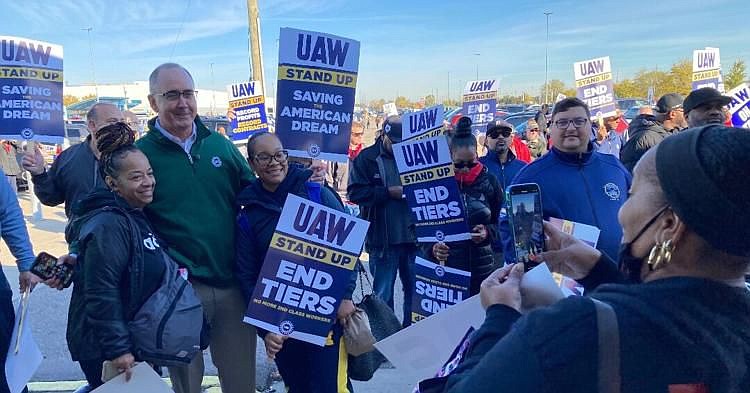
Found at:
(669, 102)
(702, 96)
(495, 126)
(392, 128)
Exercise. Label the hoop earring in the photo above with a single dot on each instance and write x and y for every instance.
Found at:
(665, 255)
(654, 257)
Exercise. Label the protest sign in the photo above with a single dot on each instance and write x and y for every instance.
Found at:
(436, 288)
(480, 103)
(307, 268)
(143, 379)
(739, 107)
(706, 68)
(431, 190)
(595, 87)
(315, 93)
(390, 109)
(426, 123)
(248, 106)
(560, 97)
(31, 87)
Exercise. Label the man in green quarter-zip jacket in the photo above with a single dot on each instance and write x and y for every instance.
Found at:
(198, 175)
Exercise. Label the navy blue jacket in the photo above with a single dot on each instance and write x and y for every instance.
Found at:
(504, 172)
(588, 188)
(256, 222)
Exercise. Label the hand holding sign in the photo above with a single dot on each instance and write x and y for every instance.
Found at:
(33, 161)
(503, 286)
(274, 342)
(567, 255)
(441, 251)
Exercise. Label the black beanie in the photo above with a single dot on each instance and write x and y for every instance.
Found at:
(704, 173)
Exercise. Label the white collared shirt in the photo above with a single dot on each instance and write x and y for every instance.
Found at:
(186, 145)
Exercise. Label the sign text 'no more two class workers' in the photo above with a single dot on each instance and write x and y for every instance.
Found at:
(431, 190)
(31, 86)
(315, 93)
(306, 271)
(248, 103)
(480, 103)
(595, 87)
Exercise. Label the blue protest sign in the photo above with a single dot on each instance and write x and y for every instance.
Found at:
(306, 271)
(431, 189)
(706, 68)
(480, 103)
(437, 287)
(426, 123)
(739, 107)
(247, 104)
(594, 86)
(31, 87)
(315, 93)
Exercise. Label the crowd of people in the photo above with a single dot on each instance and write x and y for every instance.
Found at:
(663, 191)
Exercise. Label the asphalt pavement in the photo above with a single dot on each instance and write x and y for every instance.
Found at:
(48, 312)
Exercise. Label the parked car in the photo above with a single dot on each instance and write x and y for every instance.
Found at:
(512, 108)
(625, 104)
(520, 118)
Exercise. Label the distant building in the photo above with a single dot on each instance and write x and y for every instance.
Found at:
(134, 97)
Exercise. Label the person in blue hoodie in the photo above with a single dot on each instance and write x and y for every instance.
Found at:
(304, 367)
(577, 183)
(501, 162)
(16, 237)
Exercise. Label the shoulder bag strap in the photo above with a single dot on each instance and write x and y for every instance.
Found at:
(608, 348)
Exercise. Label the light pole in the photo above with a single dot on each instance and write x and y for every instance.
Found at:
(477, 54)
(546, 60)
(91, 55)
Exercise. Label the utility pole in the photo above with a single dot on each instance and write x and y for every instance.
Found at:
(253, 38)
(477, 63)
(449, 86)
(546, 61)
(213, 91)
(91, 55)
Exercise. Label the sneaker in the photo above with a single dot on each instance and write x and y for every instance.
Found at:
(83, 389)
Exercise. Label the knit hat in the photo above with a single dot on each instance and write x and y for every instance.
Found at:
(702, 172)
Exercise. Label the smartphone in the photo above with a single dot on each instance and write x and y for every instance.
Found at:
(46, 267)
(525, 213)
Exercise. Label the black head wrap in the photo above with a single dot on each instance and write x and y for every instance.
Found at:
(705, 176)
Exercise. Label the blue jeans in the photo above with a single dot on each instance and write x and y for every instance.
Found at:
(384, 263)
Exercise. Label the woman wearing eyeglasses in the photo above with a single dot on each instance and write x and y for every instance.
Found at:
(304, 367)
(482, 197)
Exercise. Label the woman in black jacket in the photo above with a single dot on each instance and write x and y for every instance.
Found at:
(482, 199)
(304, 367)
(110, 281)
(683, 326)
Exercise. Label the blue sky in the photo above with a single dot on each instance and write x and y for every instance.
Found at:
(407, 47)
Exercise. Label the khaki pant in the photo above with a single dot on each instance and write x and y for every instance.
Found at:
(232, 344)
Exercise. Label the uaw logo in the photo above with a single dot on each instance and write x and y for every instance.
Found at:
(440, 236)
(612, 191)
(313, 150)
(439, 271)
(27, 133)
(286, 327)
(150, 242)
(216, 161)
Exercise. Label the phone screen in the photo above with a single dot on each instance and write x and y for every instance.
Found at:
(526, 221)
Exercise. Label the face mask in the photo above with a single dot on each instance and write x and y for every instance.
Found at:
(631, 265)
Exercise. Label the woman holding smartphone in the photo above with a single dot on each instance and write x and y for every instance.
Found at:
(482, 197)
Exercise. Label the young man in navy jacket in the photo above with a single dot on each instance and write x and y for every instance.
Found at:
(577, 183)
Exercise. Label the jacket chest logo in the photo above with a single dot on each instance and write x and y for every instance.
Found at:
(216, 161)
(612, 191)
(150, 242)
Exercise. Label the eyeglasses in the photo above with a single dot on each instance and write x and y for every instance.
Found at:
(565, 123)
(462, 165)
(266, 159)
(495, 133)
(534, 130)
(174, 95)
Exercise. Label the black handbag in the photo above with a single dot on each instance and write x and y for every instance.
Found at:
(383, 323)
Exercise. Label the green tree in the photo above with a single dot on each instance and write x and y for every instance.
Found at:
(69, 100)
(377, 104)
(736, 75)
(555, 87)
(429, 100)
(627, 88)
(680, 78)
(402, 102)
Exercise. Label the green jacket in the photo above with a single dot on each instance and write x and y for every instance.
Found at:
(194, 207)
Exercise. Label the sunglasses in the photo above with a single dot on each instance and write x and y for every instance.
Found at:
(495, 133)
(462, 165)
